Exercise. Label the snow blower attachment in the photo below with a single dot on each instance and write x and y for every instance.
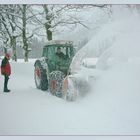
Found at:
(69, 88)
(52, 69)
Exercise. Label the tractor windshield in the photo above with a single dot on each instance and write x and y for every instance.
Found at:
(59, 57)
(51, 51)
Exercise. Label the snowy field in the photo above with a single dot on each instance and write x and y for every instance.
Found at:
(107, 110)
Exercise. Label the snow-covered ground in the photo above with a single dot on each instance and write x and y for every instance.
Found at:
(27, 110)
(110, 108)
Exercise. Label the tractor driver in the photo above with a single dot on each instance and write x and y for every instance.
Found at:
(59, 53)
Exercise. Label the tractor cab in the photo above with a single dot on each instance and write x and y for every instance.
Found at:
(58, 56)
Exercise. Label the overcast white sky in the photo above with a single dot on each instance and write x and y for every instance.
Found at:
(70, 1)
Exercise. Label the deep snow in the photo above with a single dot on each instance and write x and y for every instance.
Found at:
(110, 108)
(113, 107)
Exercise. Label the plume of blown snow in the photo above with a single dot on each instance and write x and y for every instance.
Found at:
(117, 34)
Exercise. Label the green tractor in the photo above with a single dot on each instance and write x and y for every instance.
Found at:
(53, 66)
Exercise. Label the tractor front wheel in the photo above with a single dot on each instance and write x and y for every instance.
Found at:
(55, 83)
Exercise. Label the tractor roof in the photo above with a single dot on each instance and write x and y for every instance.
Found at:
(59, 42)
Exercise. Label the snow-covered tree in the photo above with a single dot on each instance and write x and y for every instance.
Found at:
(26, 34)
(19, 23)
(8, 27)
(54, 17)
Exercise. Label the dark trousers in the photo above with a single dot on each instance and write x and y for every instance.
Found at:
(6, 78)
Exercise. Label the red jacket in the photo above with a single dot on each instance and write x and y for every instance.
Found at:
(5, 68)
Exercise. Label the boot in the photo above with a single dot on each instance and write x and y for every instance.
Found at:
(6, 90)
(5, 84)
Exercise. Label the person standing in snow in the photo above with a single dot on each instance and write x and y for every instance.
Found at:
(6, 71)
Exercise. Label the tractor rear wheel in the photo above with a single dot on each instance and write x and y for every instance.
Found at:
(40, 76)
(55, 83)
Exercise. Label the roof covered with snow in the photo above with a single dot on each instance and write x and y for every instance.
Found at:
(59, 42)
